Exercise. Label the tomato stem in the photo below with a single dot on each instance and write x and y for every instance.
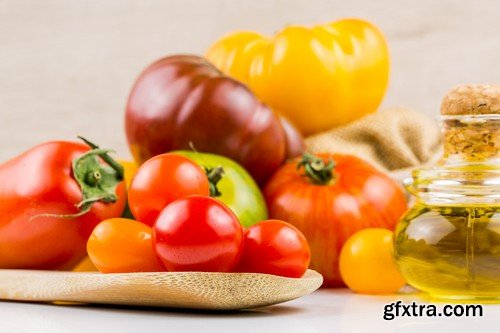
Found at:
(106, 158)
(97, 180)
(92, 178)
(316, 169)
(214, 175)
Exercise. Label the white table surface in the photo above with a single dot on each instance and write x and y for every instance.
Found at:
(323, 311)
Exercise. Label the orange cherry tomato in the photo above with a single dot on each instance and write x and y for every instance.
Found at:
(275, 247)
(367, 264)
(122, 246)
(162, 180)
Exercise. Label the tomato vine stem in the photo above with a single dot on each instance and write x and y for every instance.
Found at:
(316, 169)
(97, 180)
(214, 175)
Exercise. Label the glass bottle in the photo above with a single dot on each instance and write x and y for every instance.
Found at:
(448, 244)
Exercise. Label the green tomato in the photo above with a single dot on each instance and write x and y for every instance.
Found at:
(233, 185)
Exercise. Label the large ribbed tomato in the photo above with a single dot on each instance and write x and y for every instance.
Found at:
(329, 198)
(318, 77)
(184, 101)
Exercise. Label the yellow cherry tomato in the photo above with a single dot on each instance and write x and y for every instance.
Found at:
(86, 265)
(121, 245)
(367, 264)
(130, 168)
(318, 77)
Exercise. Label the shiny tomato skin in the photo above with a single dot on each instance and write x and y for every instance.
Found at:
(183, 100)
(40, 182)
(295, 144)
(237, 189)
(121, 245)
(275, 247)
(367, 263)
(162, 180)
(358, 197)
(198, 233)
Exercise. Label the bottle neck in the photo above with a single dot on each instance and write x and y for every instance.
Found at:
(471, 139)
(469, 172)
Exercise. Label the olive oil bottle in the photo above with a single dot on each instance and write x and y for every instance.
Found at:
(448, 244)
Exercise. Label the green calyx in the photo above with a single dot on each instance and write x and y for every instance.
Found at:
(98, 181)
(316, 169)
(214, 175)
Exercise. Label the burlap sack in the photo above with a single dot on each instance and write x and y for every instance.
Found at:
(393, 140)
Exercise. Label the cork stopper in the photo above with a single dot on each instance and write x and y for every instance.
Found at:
(472, 99)
(472, 123)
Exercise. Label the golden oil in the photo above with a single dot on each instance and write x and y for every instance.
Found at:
(451, 251)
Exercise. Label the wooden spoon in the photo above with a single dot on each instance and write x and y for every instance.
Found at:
(192, 290)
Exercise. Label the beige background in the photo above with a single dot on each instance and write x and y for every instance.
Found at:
(66, 66)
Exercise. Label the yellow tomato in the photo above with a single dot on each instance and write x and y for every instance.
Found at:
(367, 264)
(317, 77)
(86, 265)
(130, 169)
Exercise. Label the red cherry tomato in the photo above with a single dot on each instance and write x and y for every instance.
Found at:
(275, 247)
(198, 233)
(162, 180)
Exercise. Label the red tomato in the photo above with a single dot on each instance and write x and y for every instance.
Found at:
(198, 233)
(275, 247)
(329, 198)
(123, 246)
(41, 226)
(162, 180)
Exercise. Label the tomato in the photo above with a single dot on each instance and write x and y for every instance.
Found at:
(198, 233)
(123, 246)
(232, 185)
(295, 145)
(275, 247)
(367, 263)
(319, 77)
(160, 181)
(130, 168)
(85, 265)
(329, 198)
(180, 101)
(51, 198)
